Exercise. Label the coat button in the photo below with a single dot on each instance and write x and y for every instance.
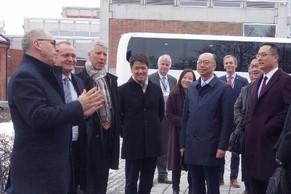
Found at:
(197, 108)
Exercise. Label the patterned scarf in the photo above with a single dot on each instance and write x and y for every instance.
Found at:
(99, 77)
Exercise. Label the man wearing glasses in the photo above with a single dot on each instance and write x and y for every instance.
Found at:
(206, 126)
(40, 161)
(267, 108)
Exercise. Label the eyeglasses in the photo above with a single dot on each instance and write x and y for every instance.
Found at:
(53, 42)
(253, 66)
(262, 55)
(205, 62)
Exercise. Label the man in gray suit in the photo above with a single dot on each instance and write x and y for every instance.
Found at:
(167, 84)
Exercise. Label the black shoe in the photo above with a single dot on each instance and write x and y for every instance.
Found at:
(164, 180)
(176, 191)
(190, 191)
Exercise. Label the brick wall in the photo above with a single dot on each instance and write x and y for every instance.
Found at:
(14, 60)
(3, 55)
(121, 26)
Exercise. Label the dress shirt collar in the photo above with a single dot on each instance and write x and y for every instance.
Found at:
(64, 76)
(270, 74)
(203, 83)
(161, 76)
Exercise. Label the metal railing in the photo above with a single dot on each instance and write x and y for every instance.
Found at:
(208, 3)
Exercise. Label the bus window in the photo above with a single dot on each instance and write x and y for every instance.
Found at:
(185, 49)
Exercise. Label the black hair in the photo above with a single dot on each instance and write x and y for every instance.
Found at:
(139, 57)
(275, 50)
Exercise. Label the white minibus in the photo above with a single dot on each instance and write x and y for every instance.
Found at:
(184, 50)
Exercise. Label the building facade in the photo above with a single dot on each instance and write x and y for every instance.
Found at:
(213, 17)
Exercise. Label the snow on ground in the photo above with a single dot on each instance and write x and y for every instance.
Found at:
(7, 128)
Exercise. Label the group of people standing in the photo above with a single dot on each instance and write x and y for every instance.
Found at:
(68, 126)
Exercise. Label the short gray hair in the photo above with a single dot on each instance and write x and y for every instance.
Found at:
(65, 42)
(29, 36)
(97, 43)
(167, 57)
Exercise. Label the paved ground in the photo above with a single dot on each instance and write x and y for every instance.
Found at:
(117, 177)
(117, 181)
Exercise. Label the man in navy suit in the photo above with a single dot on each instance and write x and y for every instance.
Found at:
(236, 82)
(67, 59)
(206, 126)
(167, 84)
(268, 104)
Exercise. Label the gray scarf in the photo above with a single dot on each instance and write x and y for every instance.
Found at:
(99, 77)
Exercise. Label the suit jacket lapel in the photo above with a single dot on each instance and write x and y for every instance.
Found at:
(237, 83)
(271, 82)
(76, 85)
(171, 83)
(224, 78)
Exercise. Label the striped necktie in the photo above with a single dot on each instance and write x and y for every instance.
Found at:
(67, 90)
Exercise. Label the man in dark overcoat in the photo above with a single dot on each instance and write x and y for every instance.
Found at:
(283, 146)
(206, 126)
(267, 108)
(142, 110)
(101, 143)
(41, 160)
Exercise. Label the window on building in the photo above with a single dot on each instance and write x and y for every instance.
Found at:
(202, 3)
(66, 33)
(160, 2)
(260, 30)
(127, 1)
(226, 3)
(94, 34)
(260, 4)
(54, 33)
(82, 33)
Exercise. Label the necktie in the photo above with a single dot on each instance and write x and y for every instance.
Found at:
(67, 90)
(263, 85)
(144, 87)
(164, 83)
(229, 81)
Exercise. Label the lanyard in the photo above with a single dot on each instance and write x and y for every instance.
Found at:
(164, 83)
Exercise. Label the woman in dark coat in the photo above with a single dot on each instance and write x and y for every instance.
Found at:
(174, 112)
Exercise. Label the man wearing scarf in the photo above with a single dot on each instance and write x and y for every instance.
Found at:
(100, 145)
